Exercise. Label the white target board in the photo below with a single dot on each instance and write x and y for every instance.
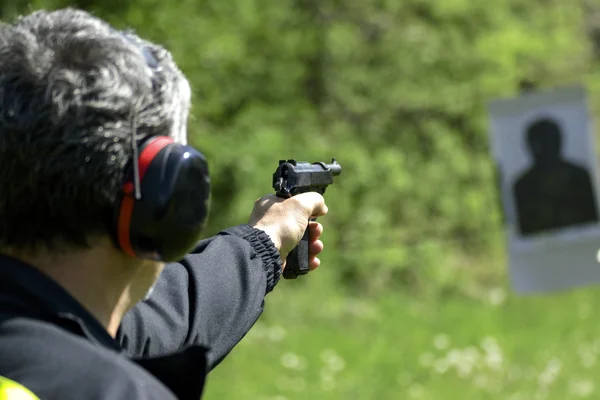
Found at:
(544, 148)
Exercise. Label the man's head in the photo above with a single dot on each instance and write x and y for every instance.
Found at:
(544, 141)
(70, 87)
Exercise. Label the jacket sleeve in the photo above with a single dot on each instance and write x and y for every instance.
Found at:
(211, 298)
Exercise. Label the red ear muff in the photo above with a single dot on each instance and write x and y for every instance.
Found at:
(148, 153)
(166, 220)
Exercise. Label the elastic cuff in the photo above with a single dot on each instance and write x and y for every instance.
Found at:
(265, 248)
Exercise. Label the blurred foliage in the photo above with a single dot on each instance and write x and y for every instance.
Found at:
(396, 91)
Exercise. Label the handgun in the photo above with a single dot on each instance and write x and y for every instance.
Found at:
(292, 178)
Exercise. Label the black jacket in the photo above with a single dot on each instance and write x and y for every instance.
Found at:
(199, 309)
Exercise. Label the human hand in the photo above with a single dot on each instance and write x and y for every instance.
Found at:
(285, 221)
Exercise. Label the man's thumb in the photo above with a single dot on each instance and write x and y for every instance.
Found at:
(313, 202)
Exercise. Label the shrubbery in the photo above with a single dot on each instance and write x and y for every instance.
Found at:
(395, 90)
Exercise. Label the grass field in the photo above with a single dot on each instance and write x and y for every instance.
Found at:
(316, 342)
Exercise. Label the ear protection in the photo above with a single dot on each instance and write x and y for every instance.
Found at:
(162, 215)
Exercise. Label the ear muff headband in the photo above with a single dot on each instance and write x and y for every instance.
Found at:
(147, 155)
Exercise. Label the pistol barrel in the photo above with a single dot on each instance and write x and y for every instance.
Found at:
(334, 167)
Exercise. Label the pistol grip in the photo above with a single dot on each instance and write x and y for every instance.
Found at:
(297, 261)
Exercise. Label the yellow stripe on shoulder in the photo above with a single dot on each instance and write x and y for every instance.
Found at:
(11, 390)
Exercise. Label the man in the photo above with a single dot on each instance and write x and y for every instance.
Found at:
(76, 97)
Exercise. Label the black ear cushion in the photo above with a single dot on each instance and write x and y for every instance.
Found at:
(168, 220)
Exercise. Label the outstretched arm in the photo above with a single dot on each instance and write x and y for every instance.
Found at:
(211, 298)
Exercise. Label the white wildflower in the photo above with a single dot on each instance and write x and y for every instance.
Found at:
(416, 391)
(298, 384)
(291, 361)
(332, 360)
(441, 341)
(493, 356)
(581, 387)
(441, 366)
(327, 354)
(336, 363)
(276, 333)
(550, 373)
(497, 296)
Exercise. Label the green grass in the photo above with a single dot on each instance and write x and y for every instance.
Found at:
(315, 342)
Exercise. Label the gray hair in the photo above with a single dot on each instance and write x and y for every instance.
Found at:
(70, 86)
